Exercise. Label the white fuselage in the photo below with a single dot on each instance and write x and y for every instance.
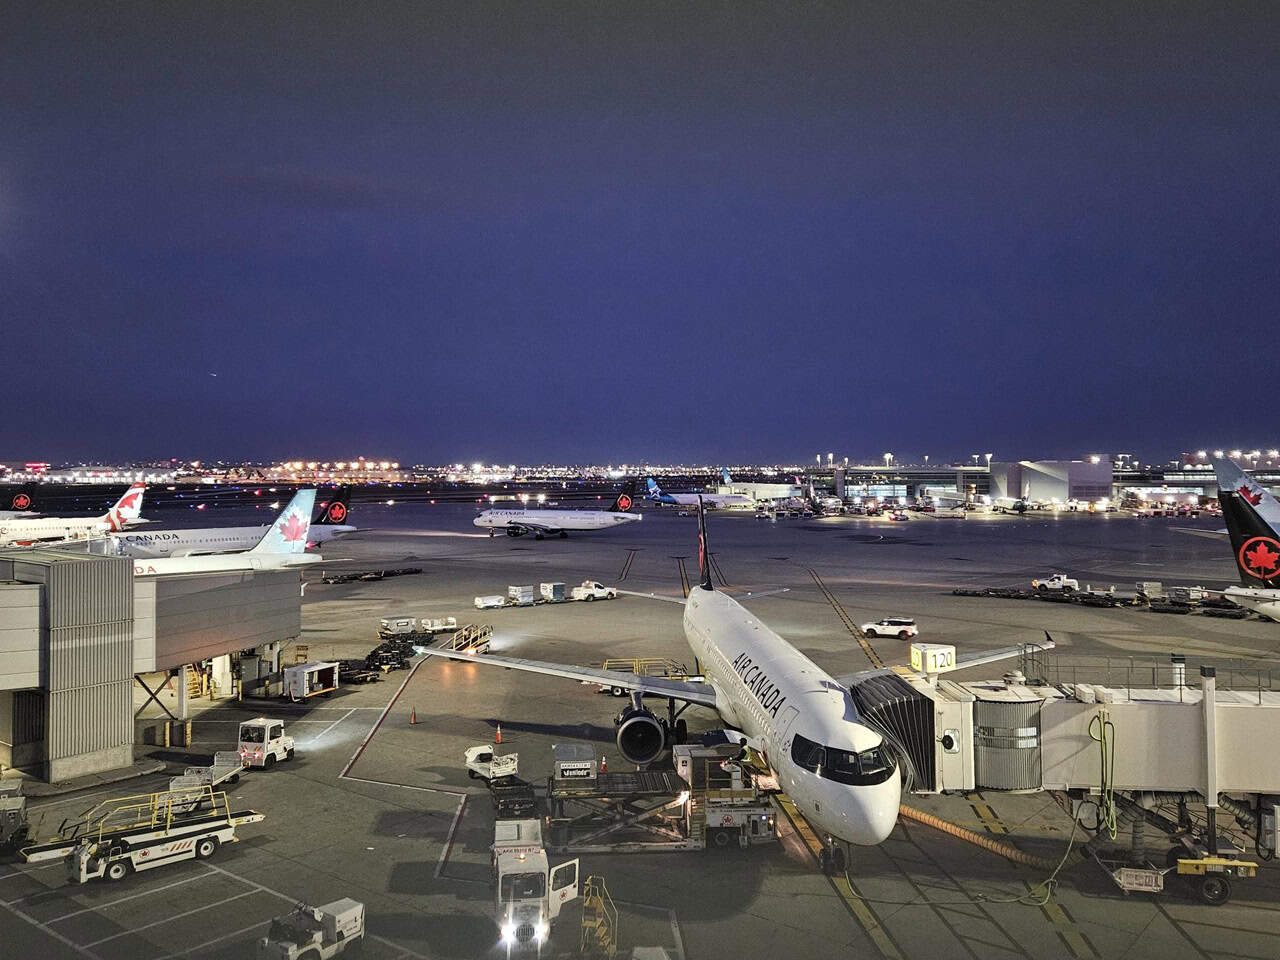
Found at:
(222, 563)
(719, 501)
(1257, 599)
(49, 529)
(554, 520)
(773, 693)
(210, 540)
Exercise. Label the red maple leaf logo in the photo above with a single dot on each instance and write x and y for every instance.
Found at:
(293, 528)
(624, 503)
(337, 512)
(21, 502)
(1253, 498)
(127, 501)
(1262, 561)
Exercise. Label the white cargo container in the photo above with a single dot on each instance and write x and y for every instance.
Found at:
(305, 680)
(521, 596)
(552, 592)
(490, 602)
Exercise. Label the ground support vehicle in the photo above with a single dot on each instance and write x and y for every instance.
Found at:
(262, 742)
(125, 834)
(314, 933)
(474, 638)
(709, 800)
(305, 680)
(643, 667)
(226, 768)
(483, 764)
(13, 814)
(357, 671)
(529, 893)
(903, 628)
(1058, 581)
(415, 628)
(593, 590)
(512, 797)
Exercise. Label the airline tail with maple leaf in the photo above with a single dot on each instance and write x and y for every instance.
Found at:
(289, 532)
(1251, 514)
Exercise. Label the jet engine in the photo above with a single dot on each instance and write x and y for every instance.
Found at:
(515, 531)
(641, 736)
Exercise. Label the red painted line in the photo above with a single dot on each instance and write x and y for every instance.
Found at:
(383, 716)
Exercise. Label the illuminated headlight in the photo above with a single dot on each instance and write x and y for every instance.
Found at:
(508, 933)
(542, 931)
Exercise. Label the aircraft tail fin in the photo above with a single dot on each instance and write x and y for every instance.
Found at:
(625, 499)
(655, 491)
(336, 511)
(128, 507)
(704, 560)
(724, 475)
(288, 534)
(1251, 515)
(22, 500)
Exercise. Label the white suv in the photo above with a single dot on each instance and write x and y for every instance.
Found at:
(900, 627)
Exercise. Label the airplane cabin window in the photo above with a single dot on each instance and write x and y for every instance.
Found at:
(869, 767)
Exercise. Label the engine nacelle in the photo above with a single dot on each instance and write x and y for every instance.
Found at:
(515, 531)
(642, 737)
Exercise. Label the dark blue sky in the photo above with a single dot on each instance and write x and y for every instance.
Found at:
(546, 231)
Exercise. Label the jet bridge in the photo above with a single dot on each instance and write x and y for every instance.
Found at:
(1089, 729)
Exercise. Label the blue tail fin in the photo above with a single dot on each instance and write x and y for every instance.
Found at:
(654, 490)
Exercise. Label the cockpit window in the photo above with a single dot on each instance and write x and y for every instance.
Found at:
(871, 766)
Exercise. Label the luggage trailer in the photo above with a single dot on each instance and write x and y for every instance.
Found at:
(125, 834)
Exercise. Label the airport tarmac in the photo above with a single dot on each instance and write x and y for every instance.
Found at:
(379, 809)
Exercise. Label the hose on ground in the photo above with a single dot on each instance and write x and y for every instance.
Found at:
(1006, 850)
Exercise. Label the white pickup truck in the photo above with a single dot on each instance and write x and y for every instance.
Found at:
(593, 590)
(1058, 581)
(314, 933)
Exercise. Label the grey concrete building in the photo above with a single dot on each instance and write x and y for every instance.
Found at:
(76, 629)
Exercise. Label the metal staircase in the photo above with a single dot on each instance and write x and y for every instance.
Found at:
(599, 921)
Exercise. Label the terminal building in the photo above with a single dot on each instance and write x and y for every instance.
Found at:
(1052, 480)
(78, 631)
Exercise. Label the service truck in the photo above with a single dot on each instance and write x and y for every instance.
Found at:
(314, 933)
(1059, 581)
(593, 590)
(529, 894)
(263, 741)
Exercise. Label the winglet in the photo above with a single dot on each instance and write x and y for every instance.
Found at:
(288, 534)
(704, 562)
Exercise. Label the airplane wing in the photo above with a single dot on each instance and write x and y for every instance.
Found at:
(1200, 532)
(701, 694)
(747, 595)
(975, 658)
(534, 525)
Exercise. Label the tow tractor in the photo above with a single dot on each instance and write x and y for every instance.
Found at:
(125, 834)
(529, 893)
(262, 742)
(314, 933)
(13, 814)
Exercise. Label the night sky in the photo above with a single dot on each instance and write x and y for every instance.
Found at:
(619, 231)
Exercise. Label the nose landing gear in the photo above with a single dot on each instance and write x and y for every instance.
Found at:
(832, 857)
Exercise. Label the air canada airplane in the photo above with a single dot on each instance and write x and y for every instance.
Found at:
(281, 546)
(327, 524)
(516, 523)
(1252, 516)
(24, 532)
(657, 495)
(837, 770)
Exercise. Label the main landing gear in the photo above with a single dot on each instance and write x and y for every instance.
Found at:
(832, 858)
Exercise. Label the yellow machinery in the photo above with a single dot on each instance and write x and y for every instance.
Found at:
(599, 920)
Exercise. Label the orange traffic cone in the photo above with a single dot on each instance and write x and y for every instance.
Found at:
(497, 734)
(413, 716)
(604, 764)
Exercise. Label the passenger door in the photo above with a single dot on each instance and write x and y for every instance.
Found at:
(564, 885)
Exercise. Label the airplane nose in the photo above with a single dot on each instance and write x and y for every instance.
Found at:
(876, 814)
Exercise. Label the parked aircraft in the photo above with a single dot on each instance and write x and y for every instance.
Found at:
(802, 721)
(281, 546)
(1252, 516)
(691, 499)
(27, 531)
(541, 523)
